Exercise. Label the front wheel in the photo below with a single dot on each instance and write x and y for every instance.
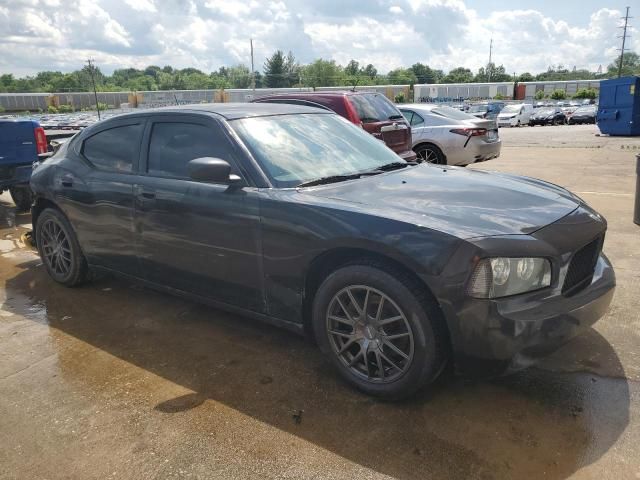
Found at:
(380, 331)
(22, 197)
(59, 248)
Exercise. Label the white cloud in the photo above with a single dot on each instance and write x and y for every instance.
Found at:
(142, 5)
(52, 34)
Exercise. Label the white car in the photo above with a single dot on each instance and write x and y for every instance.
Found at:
(515, 115)
(447, 136)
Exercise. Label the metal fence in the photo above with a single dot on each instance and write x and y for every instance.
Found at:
(447, 93)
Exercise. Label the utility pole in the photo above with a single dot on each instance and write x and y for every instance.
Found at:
(489, 64)
(624, 37)
(253, 73)
(93, 82)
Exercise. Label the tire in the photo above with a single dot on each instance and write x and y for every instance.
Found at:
(59, 249)
(22, 197)
(429, 153)
(518, 124)
(419, 335)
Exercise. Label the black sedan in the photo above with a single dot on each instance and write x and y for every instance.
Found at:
(294, 216)
(586, 114)
(548, 116)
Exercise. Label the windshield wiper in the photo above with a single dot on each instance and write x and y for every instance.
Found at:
(394, 166)
(335, 179)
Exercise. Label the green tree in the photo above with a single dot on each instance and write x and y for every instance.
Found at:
(459, 75)
(526, 77)
(322, 73)
(425, 74)
(402, 76)
(352, 69)
(370, 71)
(491, 73)
(558, 95)
(275, 73)
(586, 93)
(630, 65)
(539, 95)
(239, 76)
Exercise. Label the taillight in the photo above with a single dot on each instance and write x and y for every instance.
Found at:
(352, 115)
(41, 140)
(470, 132)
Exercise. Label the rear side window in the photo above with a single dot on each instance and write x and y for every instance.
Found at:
(412, 117)
(374, 108)
(173, 145)
(114, 150)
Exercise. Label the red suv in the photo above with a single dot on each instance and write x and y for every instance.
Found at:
(369, 110)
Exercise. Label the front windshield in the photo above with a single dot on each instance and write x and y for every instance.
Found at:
(546, 111)
(585, 110)
(511, 109)
(293, 149)
(478, 108)
(449, 112)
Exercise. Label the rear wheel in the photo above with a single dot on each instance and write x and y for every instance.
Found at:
(59, 248)
(380, 331)
(22, 197)
(430, 153)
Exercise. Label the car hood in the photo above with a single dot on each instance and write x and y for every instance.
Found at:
(461, 202)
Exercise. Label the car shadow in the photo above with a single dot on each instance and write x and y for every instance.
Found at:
(540, 420)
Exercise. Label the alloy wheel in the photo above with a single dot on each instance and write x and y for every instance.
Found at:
(428, 155)
(56, 248)
(370, 334)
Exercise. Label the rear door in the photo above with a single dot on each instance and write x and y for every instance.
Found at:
(98, 195)
(201, 238)
(383, 120)
(419, 129)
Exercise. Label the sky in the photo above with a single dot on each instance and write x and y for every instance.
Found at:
(38, 35)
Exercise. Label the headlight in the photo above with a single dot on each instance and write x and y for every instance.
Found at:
(501, 276)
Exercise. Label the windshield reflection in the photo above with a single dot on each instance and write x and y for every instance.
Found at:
(294, 149)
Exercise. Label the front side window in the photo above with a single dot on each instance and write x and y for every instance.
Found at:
(114, 150)
(174, 144)
(293, 149)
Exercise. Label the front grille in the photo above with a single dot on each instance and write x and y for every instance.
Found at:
(581, 267)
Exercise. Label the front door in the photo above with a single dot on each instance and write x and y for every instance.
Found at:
(201, 238)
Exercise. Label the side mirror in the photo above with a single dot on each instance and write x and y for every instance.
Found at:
(209, 169)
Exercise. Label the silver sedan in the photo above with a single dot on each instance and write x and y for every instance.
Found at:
(447, 136)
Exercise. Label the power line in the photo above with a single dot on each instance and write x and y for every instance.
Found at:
(93, 81)
(624, 38)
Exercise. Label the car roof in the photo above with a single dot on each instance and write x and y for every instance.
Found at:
(233, 111)
(419, 106)
(322, 93)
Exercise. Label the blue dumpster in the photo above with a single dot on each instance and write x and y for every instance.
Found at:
(619, 106)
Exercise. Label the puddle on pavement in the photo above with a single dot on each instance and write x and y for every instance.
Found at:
(515, 427)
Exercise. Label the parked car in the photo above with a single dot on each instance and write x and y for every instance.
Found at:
(584, 114)
(293, 215)
(446, 136)
(515, 115)
(374, 112)
(21, 141)
(548, 116)
(486, 110)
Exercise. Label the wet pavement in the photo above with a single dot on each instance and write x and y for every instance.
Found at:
(111, 380)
